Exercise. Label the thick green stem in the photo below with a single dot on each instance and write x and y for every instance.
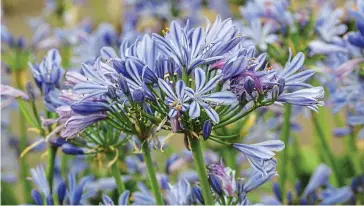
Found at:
(152, 175)
(201, 170)
(283, 160)
(327, 153)
(120, 186)
(52, 152)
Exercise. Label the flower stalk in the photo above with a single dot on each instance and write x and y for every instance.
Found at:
(201, 170)
(151, 173)
(22, 139)
(52, 153)
(328, 155)
(120, 186)
(285, 134)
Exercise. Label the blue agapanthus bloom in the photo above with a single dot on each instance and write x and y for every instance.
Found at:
(72, 193)
(48, 73)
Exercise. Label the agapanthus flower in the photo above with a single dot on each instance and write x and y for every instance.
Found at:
(48, 73)
(261, 154)
(202, 97)
(259, 35)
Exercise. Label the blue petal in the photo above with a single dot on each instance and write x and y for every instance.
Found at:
(338, 196)
(180, 89)
(166, 89)
(294, 65)
(319, 177)
(200, 78)
(108, 53)
(210, 85)
(124, 197)
(194, 110)
(212, 114)
(107, 200)
(223, 98)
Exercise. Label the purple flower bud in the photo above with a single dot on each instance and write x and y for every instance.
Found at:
(281, 85)
(57, 142)
(216, 184)
(20, 43)
(277, 191)
(37, 197)
(123, 85)
(298, 188)
(72, 150)
(138, 96)
(111, 92)
(49, 200)
(242, 98)
(89, 107)
(61, 192)
(249, 85)
(206, 129)
(197, 194)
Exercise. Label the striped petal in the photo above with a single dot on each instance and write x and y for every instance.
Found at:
(200, 78)
(166, 89)
(194, 110)
(224, 98)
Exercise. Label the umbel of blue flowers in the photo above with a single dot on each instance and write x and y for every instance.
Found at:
(190, 81)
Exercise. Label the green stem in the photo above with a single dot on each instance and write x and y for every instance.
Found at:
(283, 160)
(23, 170)
(120, 186)
(52, 152)
(327, 153)
(201, 170)
(229, 156)
(64, 164)
(152, 175)
(352, 151)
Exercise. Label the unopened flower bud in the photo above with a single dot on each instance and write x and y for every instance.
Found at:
(20, 43)
(61, 192)
(197, 194)
(206, 129)
(216, 184)
(281, 85)
(57, 142)
(37, 197)
(123, 85)
(242, 98)
(112, 92)
(138, 96)
(277, 191)
(249, 85)
(275, 92)
(72, 150)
